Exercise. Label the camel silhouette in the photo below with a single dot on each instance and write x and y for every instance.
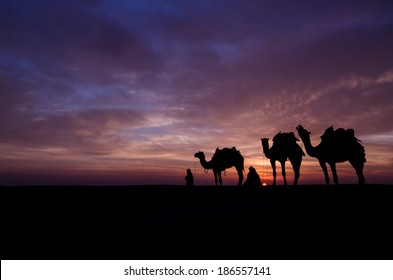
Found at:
(336, 146)
(284, 147)
(221, 160)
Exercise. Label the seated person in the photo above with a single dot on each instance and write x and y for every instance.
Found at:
(253, 179)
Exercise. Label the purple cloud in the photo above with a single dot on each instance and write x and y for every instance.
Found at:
(108, 85)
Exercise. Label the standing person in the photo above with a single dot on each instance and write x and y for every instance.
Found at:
(189, 178)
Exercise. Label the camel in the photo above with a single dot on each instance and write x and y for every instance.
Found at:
(221, 160)
(336, 146)
(284, 147)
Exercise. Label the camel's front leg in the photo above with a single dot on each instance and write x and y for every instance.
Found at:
(284, 175)
(324, 169)
(334, 172)
(273, 163)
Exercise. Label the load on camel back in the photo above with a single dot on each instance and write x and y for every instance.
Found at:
(285, 141)
(228, 155)
(339, 135)
(342, 139)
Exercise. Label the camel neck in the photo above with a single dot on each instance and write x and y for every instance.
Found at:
(310, 149)
(266, 149)
(205, 164)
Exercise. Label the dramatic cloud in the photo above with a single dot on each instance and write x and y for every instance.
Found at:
(125, 92)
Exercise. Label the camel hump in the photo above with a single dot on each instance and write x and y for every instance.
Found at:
(289, 138)
(277, 137)
(328, 134)
(228, 150)
(229, 155)
(339, 135)
(351, 134)
(285, 138)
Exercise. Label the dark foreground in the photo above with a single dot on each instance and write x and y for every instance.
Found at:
(173, 222)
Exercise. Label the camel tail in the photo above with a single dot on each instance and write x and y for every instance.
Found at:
(361, 152)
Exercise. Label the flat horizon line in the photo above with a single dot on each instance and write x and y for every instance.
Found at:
(187, 187)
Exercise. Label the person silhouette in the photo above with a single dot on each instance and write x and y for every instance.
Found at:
(189, 178)
(253, 179)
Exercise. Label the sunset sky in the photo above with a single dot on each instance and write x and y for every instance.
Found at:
(125, 92)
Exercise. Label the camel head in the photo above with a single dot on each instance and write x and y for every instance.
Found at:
(303, 133)
(199, 155)
(265, 145)
(265, 141)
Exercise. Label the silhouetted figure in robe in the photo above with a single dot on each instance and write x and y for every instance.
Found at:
(189, 178)
(253, 179)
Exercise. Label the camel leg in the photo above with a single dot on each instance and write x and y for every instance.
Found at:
(215, 176)
(334, 171)
(324, 169)
(359, 172)
(296, 169)
(284, 175)
(273, 163)
(219, 178)
(240, 173)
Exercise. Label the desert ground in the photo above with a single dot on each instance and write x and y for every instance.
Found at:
(201, 222)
